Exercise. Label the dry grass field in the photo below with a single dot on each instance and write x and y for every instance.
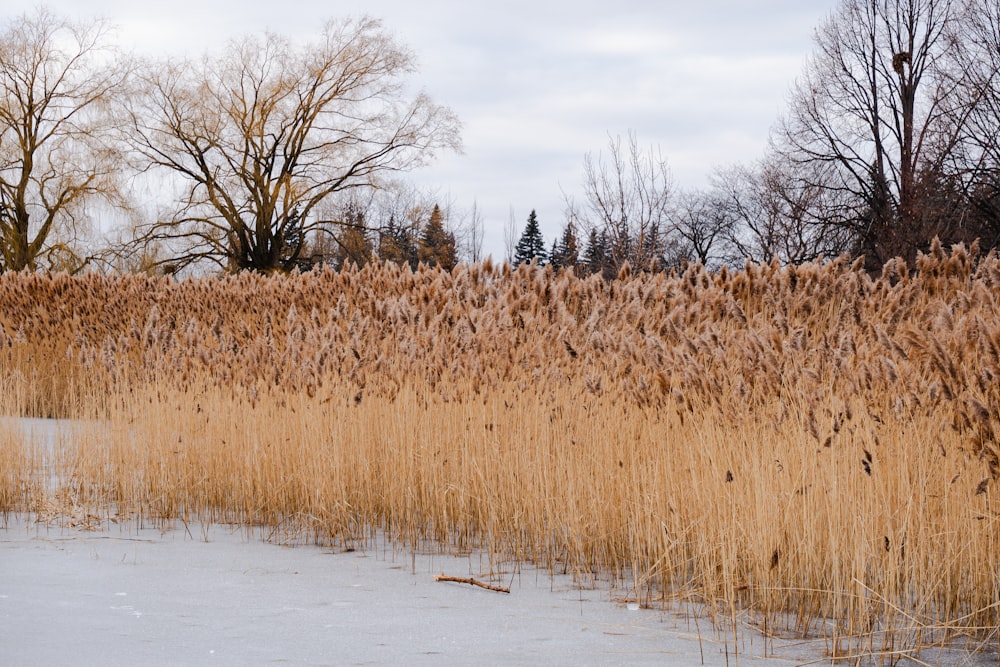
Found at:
(810, 445)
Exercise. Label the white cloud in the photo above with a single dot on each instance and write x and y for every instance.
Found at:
(637, 42)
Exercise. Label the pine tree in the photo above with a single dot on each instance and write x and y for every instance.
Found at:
(653, 248)
(437, 245)
(398, 243)
(293, 253)
(531, 244)
(597, 256)
(354, 247)
(293, 238)
(351, 244)
(565, 251)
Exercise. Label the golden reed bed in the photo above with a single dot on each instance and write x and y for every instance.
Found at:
(808, 443)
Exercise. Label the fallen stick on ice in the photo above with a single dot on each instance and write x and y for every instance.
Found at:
(472, 582)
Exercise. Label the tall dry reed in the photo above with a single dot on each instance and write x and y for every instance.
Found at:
(808, 443)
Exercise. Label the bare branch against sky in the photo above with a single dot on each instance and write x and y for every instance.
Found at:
(539, 85)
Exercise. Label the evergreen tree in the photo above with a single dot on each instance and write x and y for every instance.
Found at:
(353, 244)
(294, 238)
(653, 248)
(437, 245)
(295, 250)
(565, 251)
(531, 244)
(354, 247)
(597, 257)
(398, 243)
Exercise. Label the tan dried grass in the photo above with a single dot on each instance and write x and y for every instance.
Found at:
(806, 444)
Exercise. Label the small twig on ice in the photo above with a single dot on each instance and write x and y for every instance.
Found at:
(471, 582)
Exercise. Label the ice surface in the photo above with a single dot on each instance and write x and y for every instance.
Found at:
(128, 597)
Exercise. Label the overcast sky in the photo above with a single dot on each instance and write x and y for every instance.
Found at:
(540, 84)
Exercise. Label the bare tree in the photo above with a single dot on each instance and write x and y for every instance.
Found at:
(872, 104)
(973, 166)
(627, 195)
(702, 229)
(753, 221)
(470, 233)
(57, 79)
(262, 135)
(774, 210)
(510, 236)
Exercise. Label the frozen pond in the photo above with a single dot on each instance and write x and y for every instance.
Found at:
(214, 597)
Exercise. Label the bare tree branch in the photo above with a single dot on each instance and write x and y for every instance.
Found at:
(267, 132)
(872, 106)
(57, 82)
(627, 195)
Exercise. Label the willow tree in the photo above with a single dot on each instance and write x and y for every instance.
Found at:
(56, 154)
(257, 137)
